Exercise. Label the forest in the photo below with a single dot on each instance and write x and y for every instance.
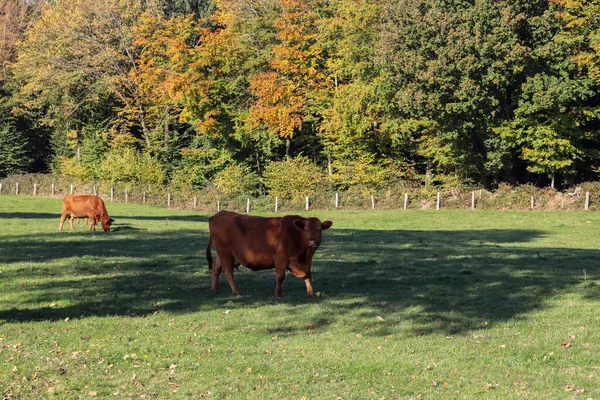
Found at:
(277, 96)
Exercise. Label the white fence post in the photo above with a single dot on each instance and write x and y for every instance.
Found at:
(587, 201)
(95, 192)
(248, 206)
(34, 189)
(195, 202)
(276, 203)
(168, 199)
(306, 203)
(112, 193)
(0, 188)
(71, 188)
(52, 189)
(372, 202)
(437, 203)
(218, 206)
(126, 196)
(473, 200)
(405, 200)
(144, 197)
(337, 199)
(17, 188)
(532, 203)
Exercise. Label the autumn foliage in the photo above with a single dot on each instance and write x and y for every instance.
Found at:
(365, 91)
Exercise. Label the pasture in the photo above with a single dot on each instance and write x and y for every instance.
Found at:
(411, 304)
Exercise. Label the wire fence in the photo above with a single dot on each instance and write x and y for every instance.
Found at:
(402, 197)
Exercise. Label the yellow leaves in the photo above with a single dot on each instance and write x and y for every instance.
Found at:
(71, 167)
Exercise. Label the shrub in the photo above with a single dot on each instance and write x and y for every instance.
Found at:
(128, 165)
(69, 166)
(293, 178)
(237, 180)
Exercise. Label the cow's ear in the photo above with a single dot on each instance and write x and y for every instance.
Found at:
(326, 225)
(299, 224)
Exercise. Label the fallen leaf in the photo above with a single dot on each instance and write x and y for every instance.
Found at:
(566, 345)
(226, 312)
(380, 318)
(93, 394)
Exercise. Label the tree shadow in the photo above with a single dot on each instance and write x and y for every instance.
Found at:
(184, 218)
(30, 215)
(446, 282)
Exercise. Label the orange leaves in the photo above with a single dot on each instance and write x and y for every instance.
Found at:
(296, 71)
(279, 106)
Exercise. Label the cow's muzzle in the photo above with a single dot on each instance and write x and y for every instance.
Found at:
(313, 244)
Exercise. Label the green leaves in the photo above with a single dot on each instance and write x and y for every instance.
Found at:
(13, 146)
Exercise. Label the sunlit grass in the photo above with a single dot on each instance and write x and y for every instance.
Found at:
(441, 304)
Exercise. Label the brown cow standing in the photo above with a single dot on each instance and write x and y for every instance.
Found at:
(85, 206)
(283, 243)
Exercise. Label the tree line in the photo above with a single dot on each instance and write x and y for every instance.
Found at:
(254, 96)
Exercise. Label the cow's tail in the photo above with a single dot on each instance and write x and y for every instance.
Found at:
(208, 254)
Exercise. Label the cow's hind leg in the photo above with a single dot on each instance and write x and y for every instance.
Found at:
(227, 265)
(216, 273)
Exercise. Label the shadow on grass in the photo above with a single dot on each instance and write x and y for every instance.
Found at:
(441, 281)
(30, 215)
(185, 218)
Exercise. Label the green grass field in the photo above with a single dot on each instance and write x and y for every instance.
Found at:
(411, 304)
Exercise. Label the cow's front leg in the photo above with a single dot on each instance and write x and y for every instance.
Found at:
(63, 217)
(281, 265)
(71, 222)
(309, 288)
(280, 278)
(92, 222)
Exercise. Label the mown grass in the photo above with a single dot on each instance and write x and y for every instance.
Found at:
(411, 304)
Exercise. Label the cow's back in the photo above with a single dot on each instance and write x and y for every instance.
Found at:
(249, 239)
(81, 205)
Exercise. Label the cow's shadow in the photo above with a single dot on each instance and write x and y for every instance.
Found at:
(441, 281)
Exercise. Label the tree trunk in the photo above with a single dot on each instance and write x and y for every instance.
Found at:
(428, 173)
(287, 147)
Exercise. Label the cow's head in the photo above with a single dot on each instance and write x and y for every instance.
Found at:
(105, 220)
(312, 229)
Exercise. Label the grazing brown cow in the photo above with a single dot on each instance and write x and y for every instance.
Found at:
(283, 243)
(85, 206)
